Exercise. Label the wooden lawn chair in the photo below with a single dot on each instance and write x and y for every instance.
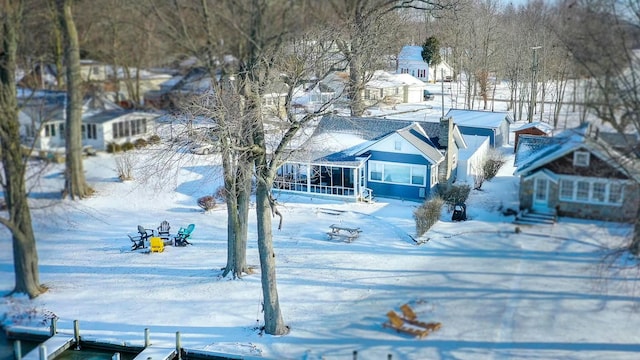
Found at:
(410, 316)
(398, 324)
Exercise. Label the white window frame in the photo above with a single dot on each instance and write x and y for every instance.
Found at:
(375, 165)
(612, 189)
(581, 158)
(397, 145)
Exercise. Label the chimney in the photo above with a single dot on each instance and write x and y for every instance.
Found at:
(446, 141)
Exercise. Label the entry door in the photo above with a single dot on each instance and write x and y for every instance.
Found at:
(540, 193)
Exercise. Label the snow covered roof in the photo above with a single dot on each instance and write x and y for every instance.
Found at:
(109, 115)
(536, 151)
(479, 118)
(411, 52)
(547, 128)
(474, 142)
(382, 79)
(415, 135)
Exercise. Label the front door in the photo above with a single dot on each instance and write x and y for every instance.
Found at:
(540, 193)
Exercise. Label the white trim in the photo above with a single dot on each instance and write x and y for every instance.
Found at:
(371, 163)
(591, 197)
(581, 158)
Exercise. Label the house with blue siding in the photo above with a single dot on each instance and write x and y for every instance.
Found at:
(382, 157)
(494, 124)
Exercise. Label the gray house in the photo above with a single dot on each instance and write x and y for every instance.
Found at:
(577, 174)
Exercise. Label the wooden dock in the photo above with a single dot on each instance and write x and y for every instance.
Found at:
(55, 345)
(156, 353)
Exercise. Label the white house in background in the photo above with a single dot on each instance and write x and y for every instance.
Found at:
(388, 88)
(43, 116)
(442, 71)
(410, 62)
(314, 97)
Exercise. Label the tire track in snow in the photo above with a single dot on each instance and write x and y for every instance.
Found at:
(505, 331)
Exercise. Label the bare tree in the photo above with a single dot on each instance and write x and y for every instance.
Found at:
(25, 255)
(75, 185)
(365, 38)
(603, 38)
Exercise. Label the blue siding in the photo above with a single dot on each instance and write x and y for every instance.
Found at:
(399, 191)
(481, 132)
(399, 158)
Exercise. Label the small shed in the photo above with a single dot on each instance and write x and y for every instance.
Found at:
(534, 128)
(494, 124)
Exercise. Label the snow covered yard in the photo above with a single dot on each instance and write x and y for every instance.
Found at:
(541, 293)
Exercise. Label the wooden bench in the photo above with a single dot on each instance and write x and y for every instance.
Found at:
(345, 233)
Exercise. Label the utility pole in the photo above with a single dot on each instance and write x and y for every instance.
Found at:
(534, 79)
(442, 87)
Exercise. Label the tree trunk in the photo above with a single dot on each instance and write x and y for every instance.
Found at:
(238, 189)
(75, 185)
(355, 87)
(25, 255)
(634, 247)
(273, 322)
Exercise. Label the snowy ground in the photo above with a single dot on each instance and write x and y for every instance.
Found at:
(543, 293)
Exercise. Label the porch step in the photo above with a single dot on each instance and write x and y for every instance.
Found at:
(536, 217)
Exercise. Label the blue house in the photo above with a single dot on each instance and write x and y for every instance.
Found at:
(388, 158)
(494, 124)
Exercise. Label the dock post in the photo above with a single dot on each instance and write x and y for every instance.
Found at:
(43, 352)
(76, 333)
(17, 349)
(178, 345)
(53, 329)
(116, 356)
(147, 340)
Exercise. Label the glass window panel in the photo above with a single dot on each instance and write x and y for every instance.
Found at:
(615, 193)
(582, 192)
(566, 189)
(598, 192)
(397, 173)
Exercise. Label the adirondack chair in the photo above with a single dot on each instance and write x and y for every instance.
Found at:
(139, 241)
(398, 324)
(410, 316)
(183, 235)
(163, 230)
(157, 245)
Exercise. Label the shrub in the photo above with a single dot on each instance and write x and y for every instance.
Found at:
(207, 203)
(428, 214)
(154, 139)
(128, 146)
(221, 193)
(140, 143)
(454, 194)
(113, 148)
(124, 167)
(493, 164)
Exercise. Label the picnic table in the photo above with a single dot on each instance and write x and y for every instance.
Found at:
(347, 234)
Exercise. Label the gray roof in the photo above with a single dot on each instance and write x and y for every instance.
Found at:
(370, 130)
(106, 116)
(373, 128)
